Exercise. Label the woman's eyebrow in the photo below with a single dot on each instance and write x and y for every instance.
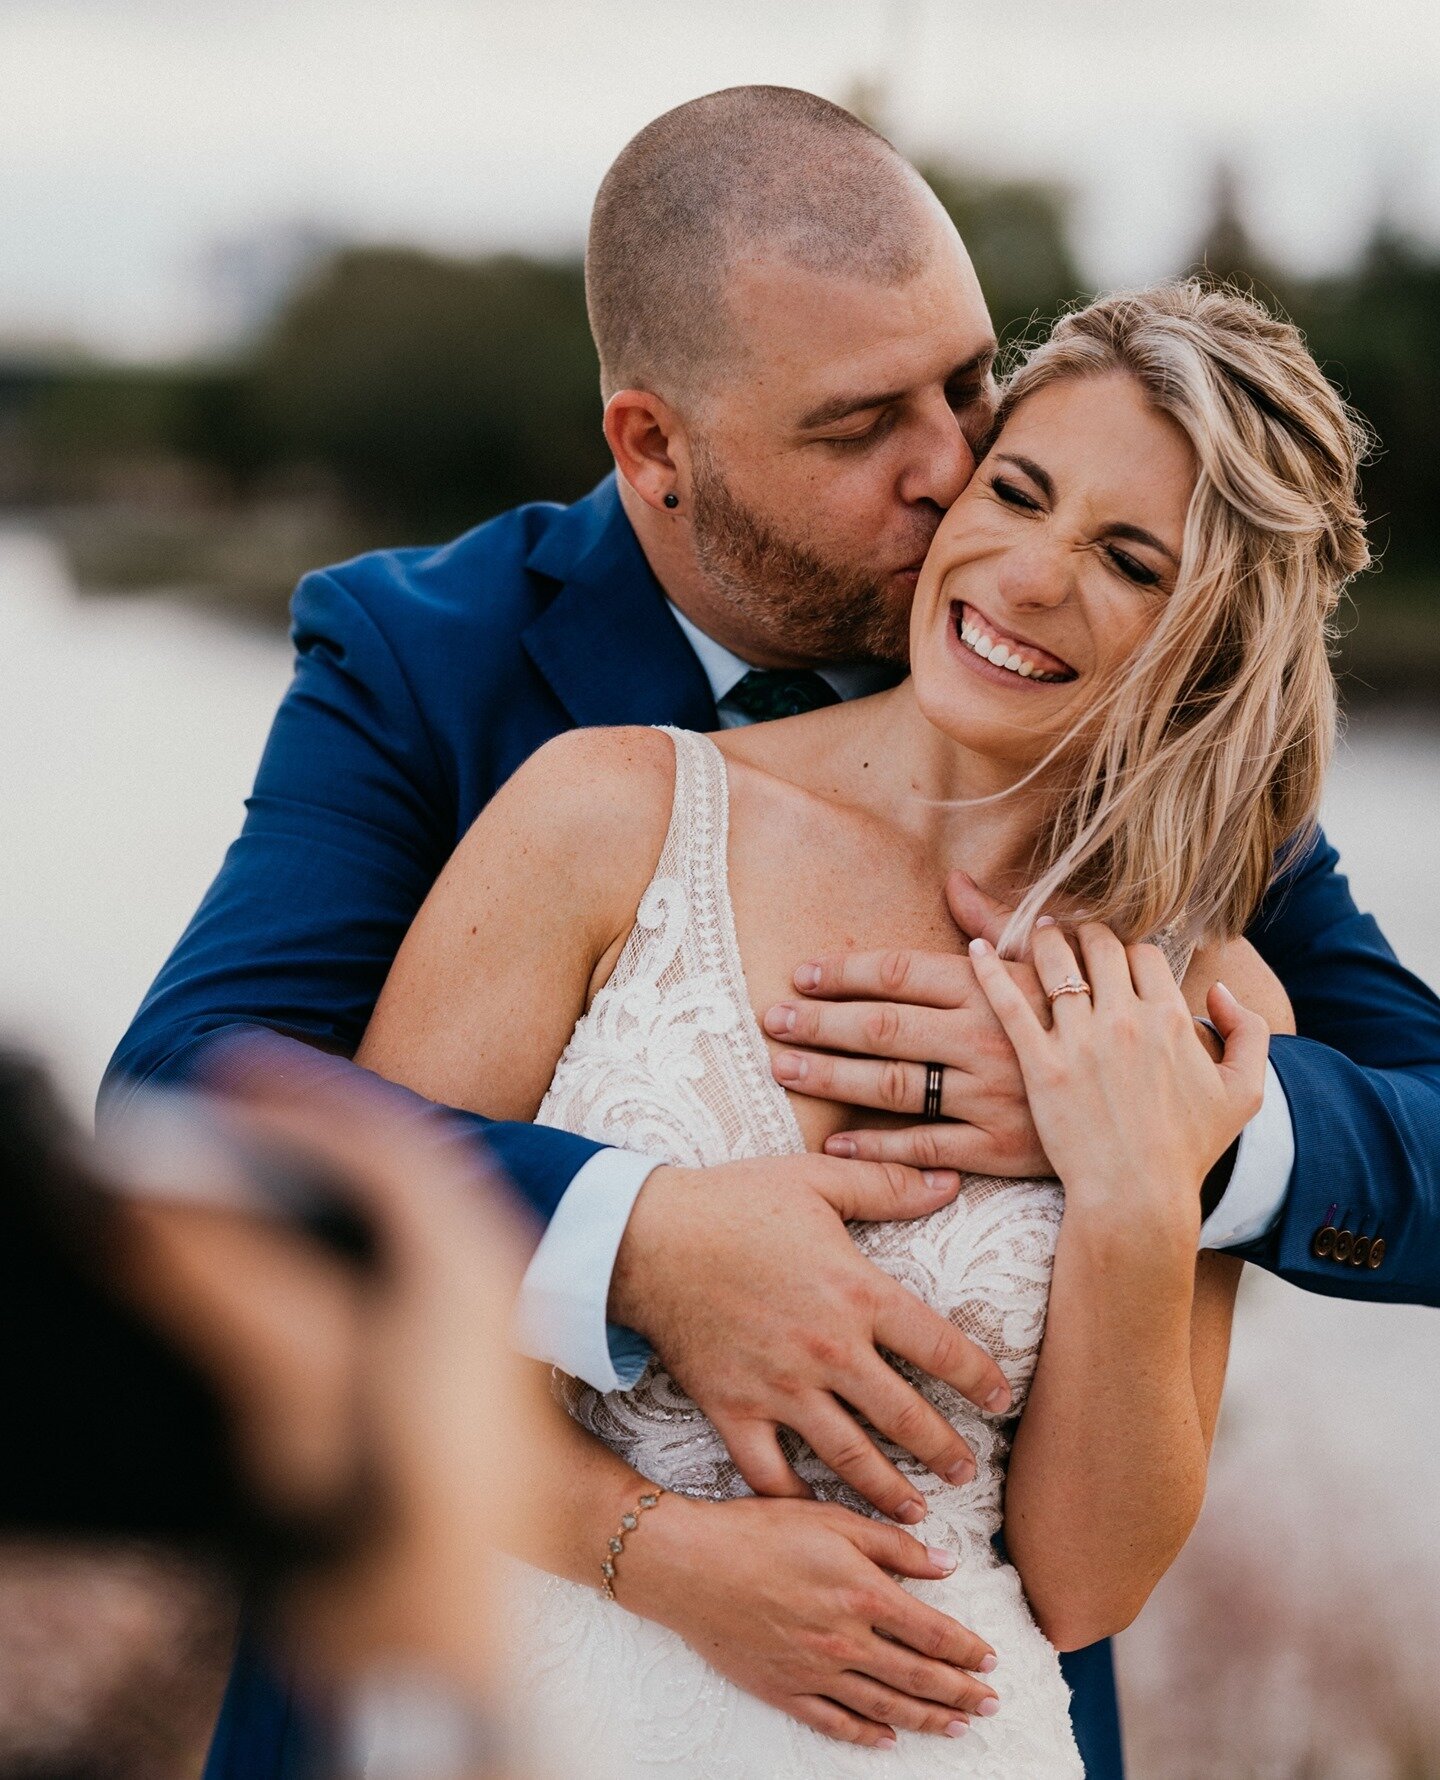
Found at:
(1041, 478)
(1137, 535)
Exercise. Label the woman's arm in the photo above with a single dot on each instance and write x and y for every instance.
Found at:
(1108, 1471)
(524, 924)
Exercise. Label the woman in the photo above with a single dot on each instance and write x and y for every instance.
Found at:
(1119, 712)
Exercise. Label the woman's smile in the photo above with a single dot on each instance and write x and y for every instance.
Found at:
(988, 646)
(1069, 537)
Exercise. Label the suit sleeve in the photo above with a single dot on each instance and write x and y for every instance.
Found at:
(1362, 1081)
(351, 819)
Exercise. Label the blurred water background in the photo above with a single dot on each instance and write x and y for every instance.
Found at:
(290, 281)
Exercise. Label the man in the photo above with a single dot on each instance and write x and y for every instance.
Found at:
(796, 361)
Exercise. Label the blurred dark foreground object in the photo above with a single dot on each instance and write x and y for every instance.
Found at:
(113, 1649)
(117, 1434)
(112, 1659)
(271, 1334)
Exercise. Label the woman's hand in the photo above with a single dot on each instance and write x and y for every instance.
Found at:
(1129, 1104)
(794, 1602)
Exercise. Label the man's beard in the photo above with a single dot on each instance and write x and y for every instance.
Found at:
(802, 604)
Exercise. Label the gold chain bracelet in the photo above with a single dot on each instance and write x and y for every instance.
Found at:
(616, 1543)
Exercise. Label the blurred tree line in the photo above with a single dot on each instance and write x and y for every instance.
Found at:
(399, 396)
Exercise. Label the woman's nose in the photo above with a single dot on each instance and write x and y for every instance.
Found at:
(1035, 573)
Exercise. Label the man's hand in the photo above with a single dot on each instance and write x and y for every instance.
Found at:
(745, 1280)
(797, 1603)
(894, 1012)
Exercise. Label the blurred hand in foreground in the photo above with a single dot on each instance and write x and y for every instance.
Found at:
(380, 1400)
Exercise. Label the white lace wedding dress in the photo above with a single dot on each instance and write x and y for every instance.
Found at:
(669, 1061)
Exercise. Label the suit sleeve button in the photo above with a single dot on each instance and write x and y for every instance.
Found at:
(1344, 1243)
(1322, 1244)
(1360, 1254)
(1377, 1252)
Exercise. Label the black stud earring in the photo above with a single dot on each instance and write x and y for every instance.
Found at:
(672, 500)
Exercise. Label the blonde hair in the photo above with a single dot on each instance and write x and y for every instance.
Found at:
(1197, 773)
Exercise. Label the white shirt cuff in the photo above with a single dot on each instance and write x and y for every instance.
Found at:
(560, 1312)
(1260, 1181)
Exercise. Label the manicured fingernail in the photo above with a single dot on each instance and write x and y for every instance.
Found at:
(939, 1183)
(942, 1560)
(780, 1020)
(1225, 990)
(978, 948)
(986, 1665)
(840, 1146)
(988, 1707)
(910, 1513)
(1045, 921)
(998, 1399)
(808, 976)
(961, 1473)
(885, 1742)
(790, 1068)
(957, 1727)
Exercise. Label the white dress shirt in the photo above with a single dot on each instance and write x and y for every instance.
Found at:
(560, 1315)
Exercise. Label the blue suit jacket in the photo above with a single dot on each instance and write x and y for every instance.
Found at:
(425, 677)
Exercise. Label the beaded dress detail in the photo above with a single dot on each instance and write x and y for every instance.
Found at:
(670, 1061)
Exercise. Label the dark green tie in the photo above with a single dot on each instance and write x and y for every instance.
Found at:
(780, 692)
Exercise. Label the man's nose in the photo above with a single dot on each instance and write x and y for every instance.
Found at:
(943, 461)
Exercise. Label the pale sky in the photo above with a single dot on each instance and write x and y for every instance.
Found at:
(138, 136)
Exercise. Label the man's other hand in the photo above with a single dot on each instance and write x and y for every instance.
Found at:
(746, 1281)
(866, 1024)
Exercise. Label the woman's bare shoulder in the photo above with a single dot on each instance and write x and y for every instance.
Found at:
(600, 779)
(587, 814)
(590, 783)
(1237, 964)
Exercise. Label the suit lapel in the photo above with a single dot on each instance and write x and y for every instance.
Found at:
(607, 643)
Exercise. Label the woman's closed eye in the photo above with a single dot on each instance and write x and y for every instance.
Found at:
(1132, 568)
(1129, 566)
(1013, 495)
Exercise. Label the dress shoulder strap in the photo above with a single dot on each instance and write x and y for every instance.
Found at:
(685, 911)
(697, 841)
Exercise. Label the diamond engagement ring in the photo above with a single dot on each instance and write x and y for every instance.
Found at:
(1070, 986)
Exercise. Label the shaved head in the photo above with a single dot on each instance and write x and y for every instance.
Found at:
(796, 359)
(748, 173)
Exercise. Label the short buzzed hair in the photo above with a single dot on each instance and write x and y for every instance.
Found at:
(750, 167)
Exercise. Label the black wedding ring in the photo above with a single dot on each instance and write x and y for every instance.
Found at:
(934, 1084)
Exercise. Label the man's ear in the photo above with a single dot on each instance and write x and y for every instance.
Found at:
(650, 446)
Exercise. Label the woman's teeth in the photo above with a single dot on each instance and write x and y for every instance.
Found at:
(981, 643)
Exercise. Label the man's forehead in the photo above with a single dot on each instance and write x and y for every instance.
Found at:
(817, 337)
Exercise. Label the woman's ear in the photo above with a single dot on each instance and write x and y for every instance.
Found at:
(649, 443)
